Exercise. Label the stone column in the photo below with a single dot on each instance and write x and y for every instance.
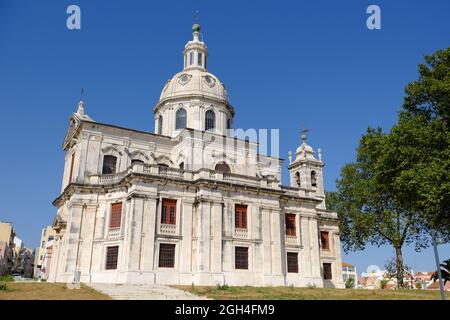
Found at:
(305, 260)
(256, 234)
(87, 235)
(267, 240)
(186, 242)
(314, 248)
(135, 229)
(204, 248)
(73, 237)
(227, 233)
(337, 276)
(149, 229)
(216, 237)
(277, 254)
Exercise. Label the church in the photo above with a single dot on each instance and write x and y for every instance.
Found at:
(190, 204)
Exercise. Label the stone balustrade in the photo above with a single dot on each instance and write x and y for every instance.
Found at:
(113, 233)
(241, 233)
(187, 175)
(291, 239)
(170, 229)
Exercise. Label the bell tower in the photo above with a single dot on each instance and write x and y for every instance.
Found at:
(306, 171)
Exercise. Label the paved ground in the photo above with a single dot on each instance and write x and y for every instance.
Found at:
(143, 292)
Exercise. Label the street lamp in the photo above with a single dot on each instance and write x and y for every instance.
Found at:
(437, 239)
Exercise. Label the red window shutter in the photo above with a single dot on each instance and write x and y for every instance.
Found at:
(116, 215)
(240, 216)
(169, 211)
(324, 236)
(290, 224)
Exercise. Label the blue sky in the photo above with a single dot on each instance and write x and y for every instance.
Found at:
(286, 64)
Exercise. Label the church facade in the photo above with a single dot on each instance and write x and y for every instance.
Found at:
(190, 203)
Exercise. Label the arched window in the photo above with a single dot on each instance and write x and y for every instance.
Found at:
(133, 161)
(297, 178)
(160, 123)
(180, 122)
(181, 166)
(222, 167)
(109, 164)
(228, 123)
(313, 179)
(210, 120)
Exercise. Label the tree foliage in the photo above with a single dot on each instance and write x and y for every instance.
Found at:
(398, 187)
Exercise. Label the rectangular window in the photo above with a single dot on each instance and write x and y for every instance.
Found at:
(240, 217)
(191, 58)
(292, 262)
(241, 258)
(168, 211)
(290, 224)
(72, 158)
(116, 215)
(109, 164)
(327, 271)
(324, 239)
(199, 59)
(112, 254)
(166, 255)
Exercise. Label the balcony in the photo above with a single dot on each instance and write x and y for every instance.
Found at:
(241, 233)
(185, 175)
(168, 229)
(291, 239)
(114, 233)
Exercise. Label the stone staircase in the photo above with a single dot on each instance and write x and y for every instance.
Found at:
(143, 292)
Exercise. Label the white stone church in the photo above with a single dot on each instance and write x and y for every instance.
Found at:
(190, 203)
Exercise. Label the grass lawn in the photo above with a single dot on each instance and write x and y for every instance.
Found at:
(49, 291)
(288, 293)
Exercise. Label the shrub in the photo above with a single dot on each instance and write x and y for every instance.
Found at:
(311, 286)
(350, 283)
(7, 278)
(222, 287)
(3, 286)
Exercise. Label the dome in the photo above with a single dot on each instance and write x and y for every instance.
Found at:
(194, 82)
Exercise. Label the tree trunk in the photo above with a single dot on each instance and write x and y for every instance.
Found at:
(399, 266)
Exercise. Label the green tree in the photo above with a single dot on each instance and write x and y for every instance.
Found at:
(445, 272)
(370, 212)
(398, 188)
(417, 165)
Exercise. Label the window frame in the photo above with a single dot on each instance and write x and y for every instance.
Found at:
(112, 265)
(160, 124)
(115, 217)
(106, 167)
(210, 120)
(240, 216)
(180, 119)
(327, 240)
(166, 217)
(241, 264)
(289, 262)
(290, 226)
(313, 178)
(327, 273)
(169, 262)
